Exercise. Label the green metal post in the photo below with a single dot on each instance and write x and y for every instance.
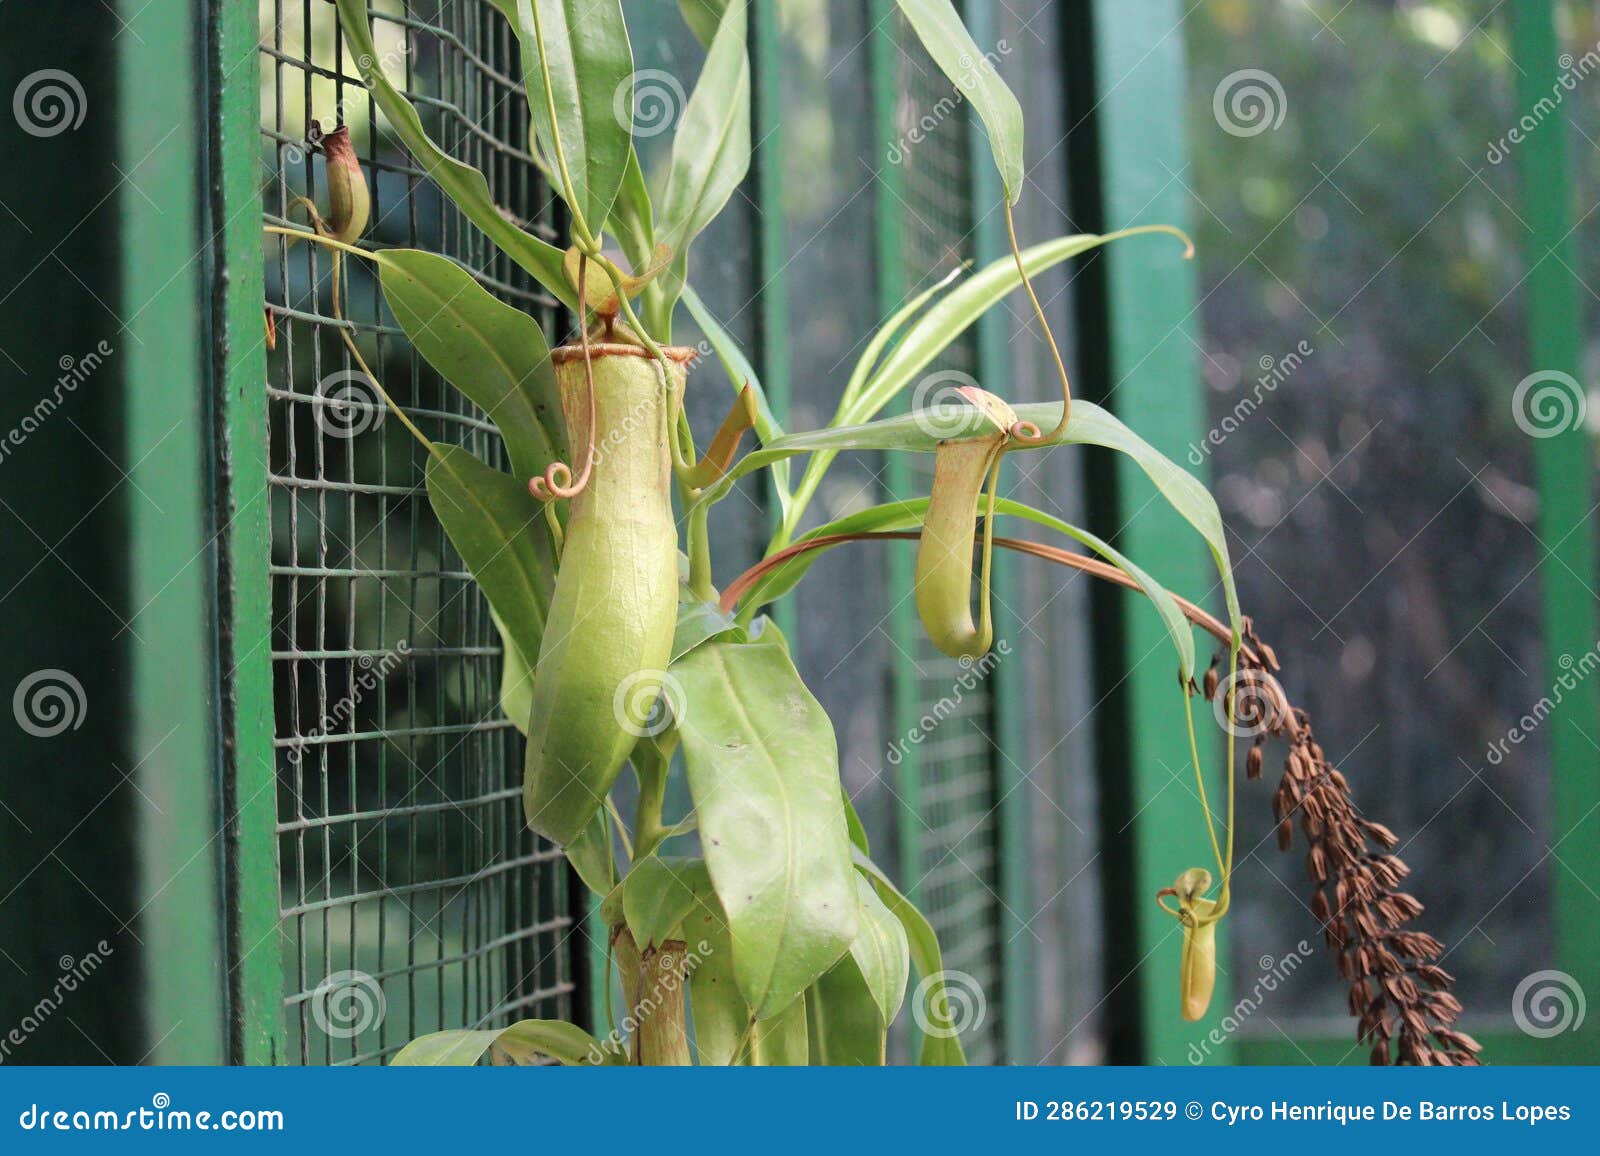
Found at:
(1563, 466)
(172, 536)
(244, 594)
(1127, 75)
(772, 285)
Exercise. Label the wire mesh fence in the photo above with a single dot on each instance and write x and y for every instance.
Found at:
(959, 828)
(413, 897)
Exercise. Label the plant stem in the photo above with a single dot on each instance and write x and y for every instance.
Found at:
(650, 768)
(663, 1028)
(628, 964)
(700, 553)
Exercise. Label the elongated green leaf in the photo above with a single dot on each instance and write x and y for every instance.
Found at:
(498, 528)
(843, 1023)
(463, 184)
(858, 832)
(586, 51)
(658, 893)
(491, 352)
(711, 151)
(1090, 425)
(887, 332)
(702, 17)
(937, 1048)
(740, 373)
(904, 515)
(591, 857)
(633, 218)
(763, 770)
(781, 1040)
(881, 952)
(958, 310)
(947, 40)
(516, 677)
(522, 1042)
(720, 1012)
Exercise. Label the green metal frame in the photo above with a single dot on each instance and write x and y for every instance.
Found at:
(169, 265)
(1564, 470)
(772, 250)
(245, 596)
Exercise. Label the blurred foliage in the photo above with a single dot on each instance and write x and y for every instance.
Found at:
(1382, 493)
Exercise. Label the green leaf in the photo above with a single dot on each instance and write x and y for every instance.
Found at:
(522, 1042)
(781, 1040)
(858, 832)
(586, 52)
(958, 310)
(763, 769)
(1090, 425)
(633, 219)
(947, 40)
(925, 956)
(658, 893)
(590, 855)
(516, 677)
(844, 1026)
(498, 529)
(490, 351)
(893, 516)
(699, 622)
(741, 373)
(720, 1012)
(881, 952)
(702, 17)
(711, 150)
(887, 333)
(463, 184)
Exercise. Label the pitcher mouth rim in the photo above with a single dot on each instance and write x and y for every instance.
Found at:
(564, 354)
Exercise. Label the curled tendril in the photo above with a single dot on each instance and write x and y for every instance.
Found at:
(557, 480)
(1025, 432)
